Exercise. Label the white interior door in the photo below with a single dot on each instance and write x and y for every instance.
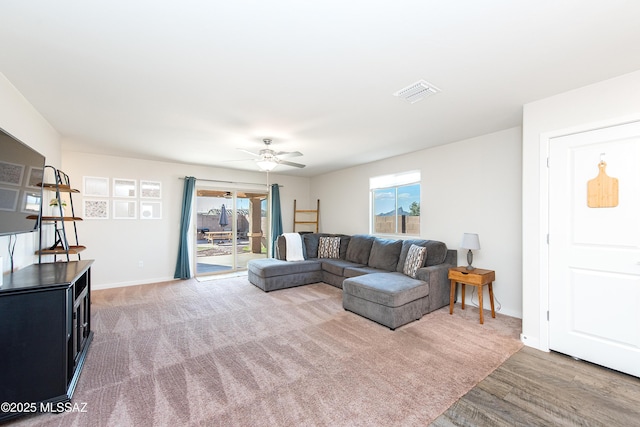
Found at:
(594, 253)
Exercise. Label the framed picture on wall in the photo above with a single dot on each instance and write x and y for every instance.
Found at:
(96, 186)
(124, 209)
(124, 187)
(95, 209)
(150, 189)
(150, 210)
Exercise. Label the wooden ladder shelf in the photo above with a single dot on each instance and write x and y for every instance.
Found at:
(305, 217)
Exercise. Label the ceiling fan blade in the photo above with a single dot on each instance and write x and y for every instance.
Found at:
(249, 152)
(235, 160)
(295, 165)
(286, 154)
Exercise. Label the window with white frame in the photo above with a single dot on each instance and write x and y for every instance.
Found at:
(395, 203)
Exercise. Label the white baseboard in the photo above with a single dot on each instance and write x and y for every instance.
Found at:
(532, 342)
(507, 312)
(132, 283)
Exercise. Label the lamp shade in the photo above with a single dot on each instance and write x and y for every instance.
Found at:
(470, 241)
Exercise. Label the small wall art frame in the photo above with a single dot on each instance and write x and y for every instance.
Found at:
(95, 209)
(124, 187)
(95, 186)
(150, 210)
(150, 189)
(124, 209)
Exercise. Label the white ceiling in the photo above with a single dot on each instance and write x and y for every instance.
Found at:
(194, 80)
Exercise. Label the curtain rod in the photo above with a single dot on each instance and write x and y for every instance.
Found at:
(231, 182)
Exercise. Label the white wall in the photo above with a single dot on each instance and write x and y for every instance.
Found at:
(117, 246)
(468, 186)
(20, 119)
(606, 103)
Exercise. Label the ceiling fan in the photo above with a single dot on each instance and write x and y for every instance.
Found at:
(268, 159)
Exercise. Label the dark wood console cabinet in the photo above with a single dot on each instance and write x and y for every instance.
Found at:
(45, 331)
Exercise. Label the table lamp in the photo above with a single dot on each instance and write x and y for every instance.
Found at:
(470, 241)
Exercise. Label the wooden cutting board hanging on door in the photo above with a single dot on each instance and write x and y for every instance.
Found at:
(602, 191)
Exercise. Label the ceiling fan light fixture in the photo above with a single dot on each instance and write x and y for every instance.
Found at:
(267, 159)
(266, 165)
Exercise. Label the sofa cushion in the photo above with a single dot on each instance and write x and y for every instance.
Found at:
(388, 289)
(436, 252)
(359, 271)
(310, 243)
(344, 245)
(415, 260)
(359, 248)
(338, 266)
(329, 247)
(384, 254)
(271, 267)
(267, 275)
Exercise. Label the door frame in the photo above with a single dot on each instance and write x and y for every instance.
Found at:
(545, 142)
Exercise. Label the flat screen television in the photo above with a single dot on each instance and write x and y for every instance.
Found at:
(21, 172)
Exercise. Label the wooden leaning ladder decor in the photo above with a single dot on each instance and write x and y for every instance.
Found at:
(305, 217)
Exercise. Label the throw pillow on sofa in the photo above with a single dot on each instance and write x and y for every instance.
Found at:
(359, 248)
(415, 260)
(311, 242)
(329, 247)
(384, 254)
(436, 252)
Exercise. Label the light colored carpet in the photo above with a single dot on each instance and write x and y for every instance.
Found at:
(225, 353)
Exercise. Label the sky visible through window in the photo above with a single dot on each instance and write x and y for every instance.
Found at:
(385, 198)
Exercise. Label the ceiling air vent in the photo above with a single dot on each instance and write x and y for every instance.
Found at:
(417, 91)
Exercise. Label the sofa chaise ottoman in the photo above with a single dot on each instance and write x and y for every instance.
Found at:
(391, 299)
(270, 274)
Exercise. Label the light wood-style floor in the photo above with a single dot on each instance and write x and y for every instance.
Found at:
(535, 388)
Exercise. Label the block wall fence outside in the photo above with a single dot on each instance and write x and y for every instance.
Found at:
(405, 224)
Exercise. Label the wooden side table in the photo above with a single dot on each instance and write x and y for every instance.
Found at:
(476, 277)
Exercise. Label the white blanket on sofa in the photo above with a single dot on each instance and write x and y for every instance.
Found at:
(294, 246)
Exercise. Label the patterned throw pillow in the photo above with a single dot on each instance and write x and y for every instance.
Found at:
(329, 247)
(415, 260)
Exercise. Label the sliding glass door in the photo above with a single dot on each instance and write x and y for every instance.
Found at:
(231, 229)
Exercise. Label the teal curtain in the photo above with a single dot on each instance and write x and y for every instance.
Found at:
(183, 271)
(276, 217)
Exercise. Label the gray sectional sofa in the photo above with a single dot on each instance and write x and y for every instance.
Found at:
(370, 271)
